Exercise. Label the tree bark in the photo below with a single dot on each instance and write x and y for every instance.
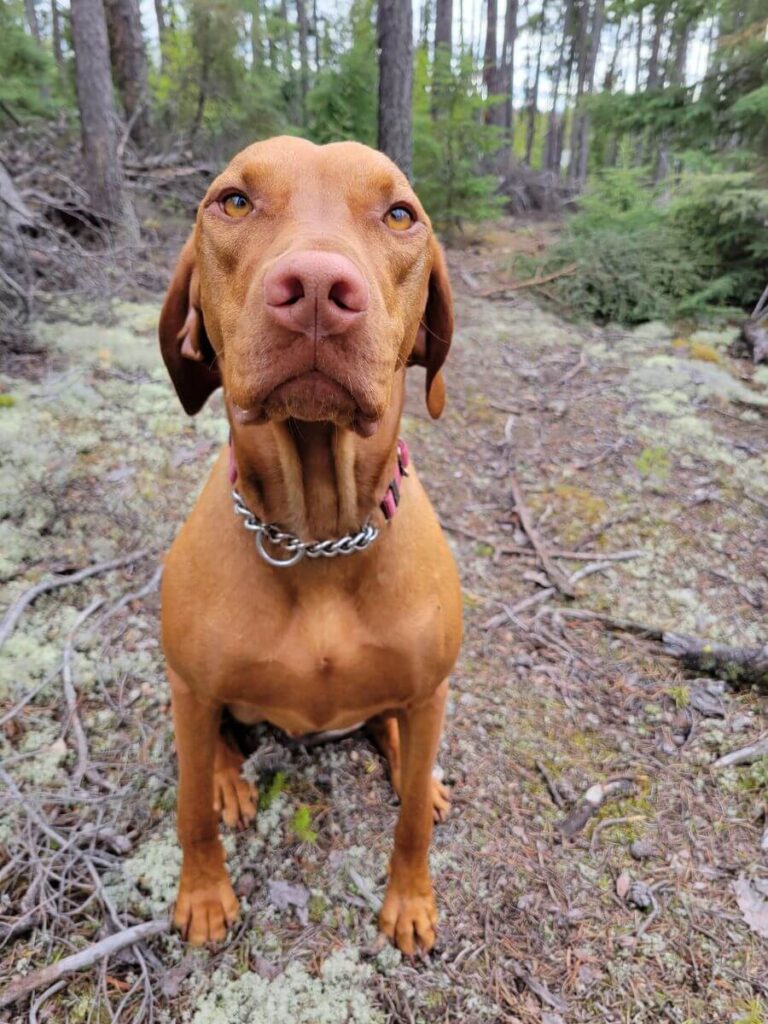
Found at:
(552, 141)
(534, 97)
(444, 25)
(442, 54)
(31, 14)
(395, 38)
(56, 37)
(301, 16)
(98, 118)
(129, 64)
(162, 32)
(257, 36)
(653, 63)
(498, 75)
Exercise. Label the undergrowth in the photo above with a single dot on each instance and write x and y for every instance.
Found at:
(644, 253)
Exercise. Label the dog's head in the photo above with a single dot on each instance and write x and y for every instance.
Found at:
(311, 276)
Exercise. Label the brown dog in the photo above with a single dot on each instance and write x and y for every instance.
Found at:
(311, 280)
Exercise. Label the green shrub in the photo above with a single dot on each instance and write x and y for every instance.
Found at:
(643, 253)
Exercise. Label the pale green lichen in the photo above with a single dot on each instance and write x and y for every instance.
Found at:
(337, 995)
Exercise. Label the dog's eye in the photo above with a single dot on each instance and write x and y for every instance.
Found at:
(236, 205)
(399, 218)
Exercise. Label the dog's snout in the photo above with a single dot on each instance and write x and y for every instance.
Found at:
(315, 293)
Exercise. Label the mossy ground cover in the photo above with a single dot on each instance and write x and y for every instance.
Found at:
(657, 446)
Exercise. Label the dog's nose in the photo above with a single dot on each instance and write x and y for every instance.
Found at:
(315, 293)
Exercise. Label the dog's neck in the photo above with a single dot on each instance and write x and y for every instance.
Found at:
(316, 480)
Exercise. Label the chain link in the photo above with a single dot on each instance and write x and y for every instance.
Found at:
(295, 547)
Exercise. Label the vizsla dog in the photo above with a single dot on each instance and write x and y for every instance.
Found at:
(311, 587)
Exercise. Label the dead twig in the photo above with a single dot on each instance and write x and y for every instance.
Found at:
(70, 695)
(590, 803)
(744, 755)
(93, 954)
(531, 282)
(554, 792)
(574, 370)
(14, 613)
(558, 578)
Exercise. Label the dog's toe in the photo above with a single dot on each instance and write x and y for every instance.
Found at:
(234, 798)
(203, 915)
(409, 921)
(441, 800)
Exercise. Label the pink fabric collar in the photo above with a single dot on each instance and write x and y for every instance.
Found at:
(391, 499)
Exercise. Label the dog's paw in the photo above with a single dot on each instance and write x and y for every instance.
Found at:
(203, 913)
(441, 800)
(234, 798)
(409, 920)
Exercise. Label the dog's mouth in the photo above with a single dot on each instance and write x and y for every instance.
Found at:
(312, 396)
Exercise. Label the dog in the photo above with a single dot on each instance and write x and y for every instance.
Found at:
(311, 587)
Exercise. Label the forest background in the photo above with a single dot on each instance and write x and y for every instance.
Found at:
(649, 121)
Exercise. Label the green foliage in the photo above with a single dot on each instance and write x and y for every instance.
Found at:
(273, 791)
(642, 253)
(301, 824)
(450, 138)
(343, 103)
(205, 90)
(29, 81)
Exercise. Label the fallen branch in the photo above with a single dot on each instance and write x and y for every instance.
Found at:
(736, 664)
(16, 610)
(87, 957)
(739, 665)
(744, 755)
(70, 695)
(558, 578)
(590, 803)
(531, 282)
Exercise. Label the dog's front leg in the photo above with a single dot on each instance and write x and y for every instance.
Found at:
(408, 915)
(206, 903)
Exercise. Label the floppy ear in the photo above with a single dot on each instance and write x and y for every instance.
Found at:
(434, 336)
(187, 352)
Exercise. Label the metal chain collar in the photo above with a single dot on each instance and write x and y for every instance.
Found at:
(296, 548)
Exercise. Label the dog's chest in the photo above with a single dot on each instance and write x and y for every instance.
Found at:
(329, 664)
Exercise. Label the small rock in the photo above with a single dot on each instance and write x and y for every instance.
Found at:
(707, 704)
(623, 884)
(642, 849)
(246, 883)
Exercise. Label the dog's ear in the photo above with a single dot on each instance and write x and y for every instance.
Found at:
(187, 352)
(434, 336)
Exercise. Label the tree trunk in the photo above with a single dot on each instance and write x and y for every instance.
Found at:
(444, 25)
(98, 118)
(534, 97)
(442, 55)
(395, 39)
(32, 22)
(508, 66)
(316, 34)
(129, 64)
(498, 75)
(639, 50)
(490, 58)
(56, 39)
(653, 63)
(596, 31)
(551, 143)
(301, 16)
(162, 32)
(257, 36)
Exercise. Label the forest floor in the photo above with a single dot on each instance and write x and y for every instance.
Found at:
(649, 444)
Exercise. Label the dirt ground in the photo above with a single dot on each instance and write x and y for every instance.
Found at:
(643, 458)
